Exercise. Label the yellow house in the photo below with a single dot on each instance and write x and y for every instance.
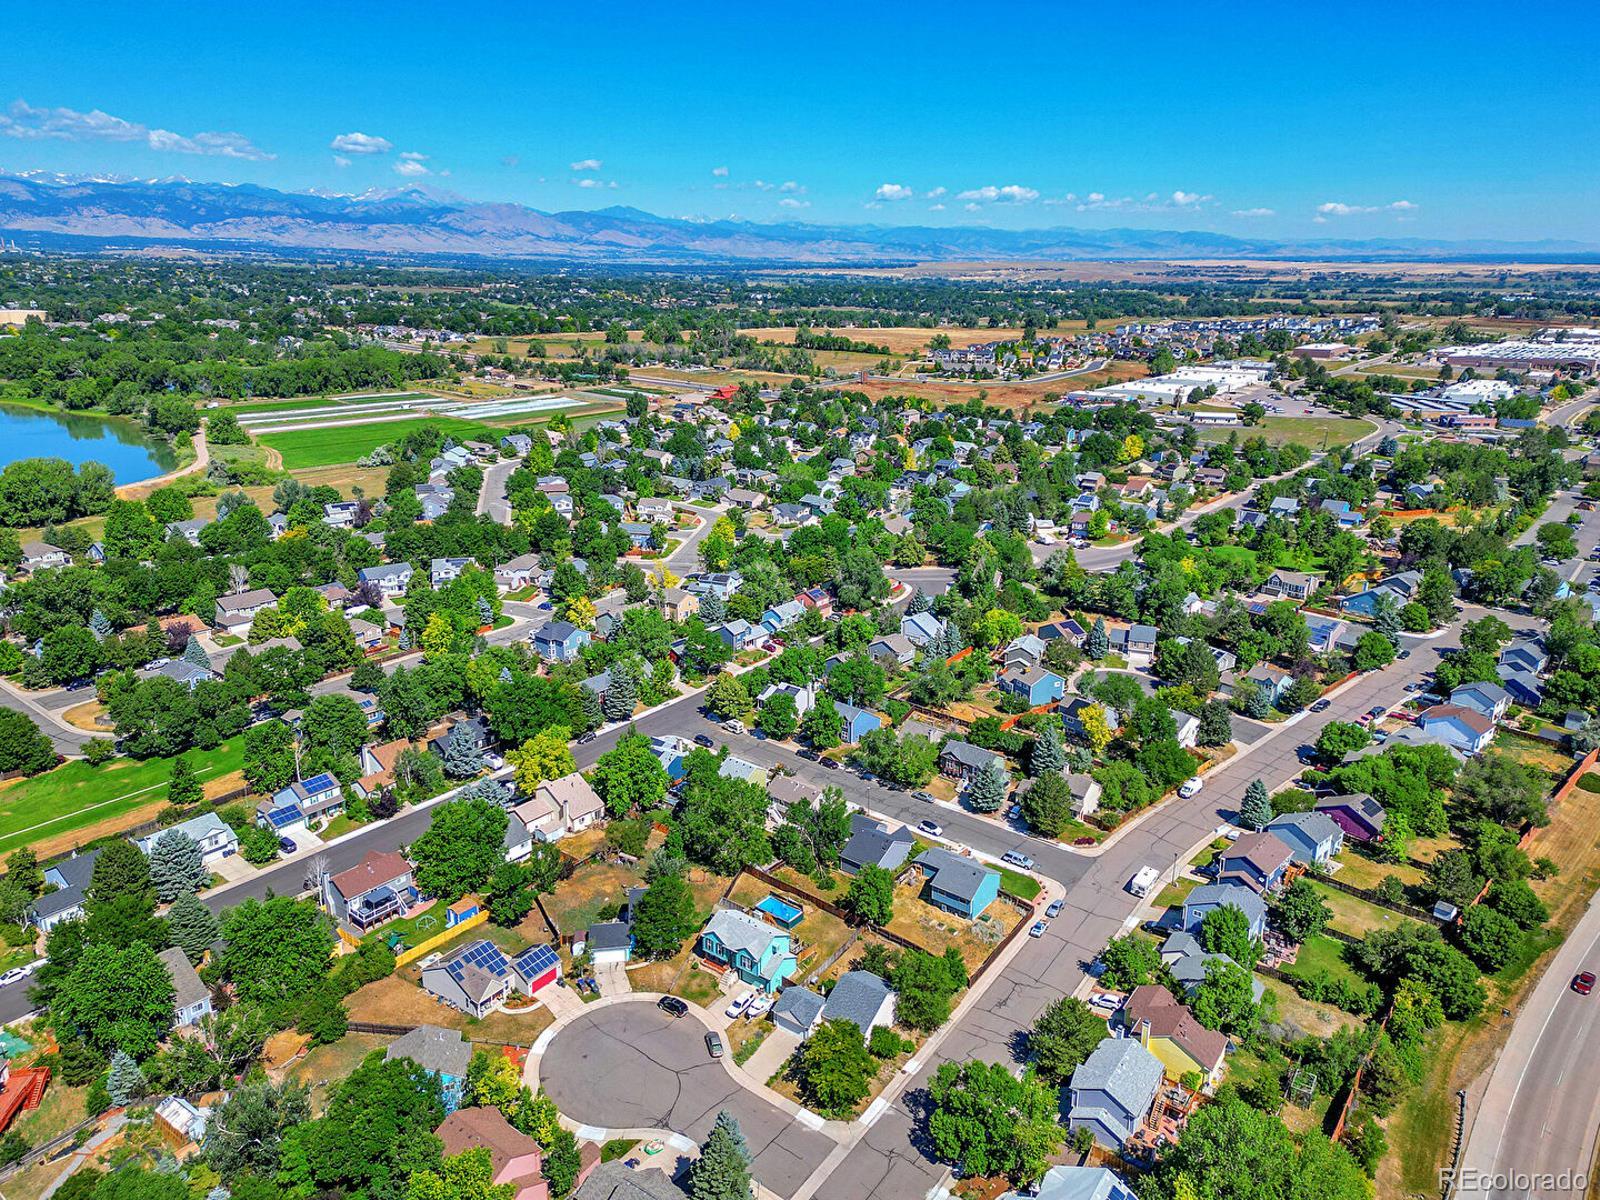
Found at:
(1170, 1031)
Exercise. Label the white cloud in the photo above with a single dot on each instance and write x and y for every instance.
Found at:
(360, 143)
(24, 120)
(586, 164)
(935, 208)
(1011, 193)
(589, 181)
(1334, 208)
(410, 165)
(791, 202)
(893, 191)
(720, 172)
(791, 187)
(974, 207)
(340, 161)
(414, 156)
(1188, 199)
(761, 185)
(1254, 212)
(934, 194)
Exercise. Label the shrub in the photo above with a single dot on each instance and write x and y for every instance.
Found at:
(886, 1043)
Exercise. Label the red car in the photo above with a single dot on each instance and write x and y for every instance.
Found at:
(1583, 982)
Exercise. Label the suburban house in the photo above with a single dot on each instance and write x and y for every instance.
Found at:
(875, 843)
(960, 760)
(210, 832)
(780, 616)
(41, 556)
(1024, 651)
(1273, 681)
(515, 1159)
(1463, 728)
(921, 628)
(236, 613)
(1187, 960)
(855, 723)
(862, 998)
(1400, 588)
(1360, 816)
(1112, 1090)
(559, 641)
(739, 634)
(893, 648)
(678, 604)
(1313, 838)
(377, 763)
(758, 953)
(958, 884)
(443, 1053)
(477, 976)
(610, 942)
(191, 999)
(303, 800)
(558, 807)
(1291, 585)
(1208, 897)
(377, 889)
(1033, 684)
(391, 579)
(70, 879)
(1136, 643)
(1085, 793)
(1488, 700)
(517, 573)
(1170, 1031)
(1078, 1183)
(1257, 861)
(798, 1010)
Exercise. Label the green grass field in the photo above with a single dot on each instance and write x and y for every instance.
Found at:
(1314, 433)
(336, 444)
(75, 794)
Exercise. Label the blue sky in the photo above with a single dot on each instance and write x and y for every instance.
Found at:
(1265, 119)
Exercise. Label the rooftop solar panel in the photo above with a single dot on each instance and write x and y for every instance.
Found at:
(535, 960)
(284, 816)
(319, 783)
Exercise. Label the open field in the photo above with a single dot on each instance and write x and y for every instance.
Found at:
(336, 444)
(1314, 433)
(76, 795)
(897, 339)
(256, 407)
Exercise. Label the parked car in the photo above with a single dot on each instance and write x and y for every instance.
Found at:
(926, 797)
(1191, 786)
(1055, 907)
(15, 975)
(672, 1006)
(703, 739)
(759, 1006)
(740, 1003)
(931, 827)
(287, 845)
(587, 738)
(1014, 812)
(831, 763)
(1321, 705)
(734, 726)
(1404, 654)
(1037, 930)
(713, 1044)
(1017, 859)
(807, 752)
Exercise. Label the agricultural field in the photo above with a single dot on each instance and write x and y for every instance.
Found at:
(335, 444)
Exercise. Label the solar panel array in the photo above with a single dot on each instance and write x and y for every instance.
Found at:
(319, 783)
(484, 955)
(535, 961)
(280, 818)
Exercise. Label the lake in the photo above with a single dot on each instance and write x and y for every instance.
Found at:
(83, 437)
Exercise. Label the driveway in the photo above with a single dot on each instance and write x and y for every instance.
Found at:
(630, 1066)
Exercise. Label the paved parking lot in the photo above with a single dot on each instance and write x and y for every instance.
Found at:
(630, 1066)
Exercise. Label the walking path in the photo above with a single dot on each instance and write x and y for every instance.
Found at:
(143, 487)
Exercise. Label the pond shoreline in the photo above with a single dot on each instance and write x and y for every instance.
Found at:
(117, 442)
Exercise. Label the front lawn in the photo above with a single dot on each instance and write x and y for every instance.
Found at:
(75, 795)
(1023, 887)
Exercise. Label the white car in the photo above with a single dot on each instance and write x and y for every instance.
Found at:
(15, 975)
(759, 1006)
(1191, 786)
(740, 1003)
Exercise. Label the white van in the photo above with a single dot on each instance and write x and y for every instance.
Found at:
(1143, 881)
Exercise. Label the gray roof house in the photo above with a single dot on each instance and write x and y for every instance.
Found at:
(874, 842)
(798, 1010)
(1312, 837)
(1112, 1090)
(191, 999)
(70, 878)
(614, 1181)
(1210, 896)
(1078, 1183)
(862, 997)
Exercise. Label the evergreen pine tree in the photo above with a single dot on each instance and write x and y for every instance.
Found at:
(100, 626)
(1256, 810)
(712, 609)
(722, 1172)
(920, 603)
(176, 866)
(194, 926)
(124, 1081)
(1097, 645)
(593, 714)
(1216, 724)
(462, 756)
(1386, 618)
(986, 791)
(195, 654)
(405, 636)
(485, 611)
(183, 788)
(622, 695)
(1049, 754)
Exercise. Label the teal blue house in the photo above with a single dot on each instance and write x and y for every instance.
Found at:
(760, 954)
(958, 884)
